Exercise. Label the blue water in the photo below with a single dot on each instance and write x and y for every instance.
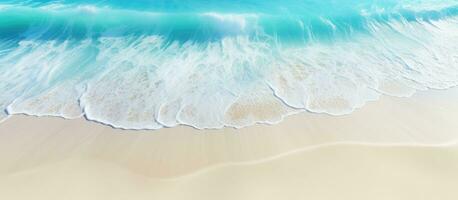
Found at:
(148, 64)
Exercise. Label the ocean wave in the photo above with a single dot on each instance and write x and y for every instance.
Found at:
(148, 69)
(63, 22)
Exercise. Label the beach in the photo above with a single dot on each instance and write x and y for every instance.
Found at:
(393, 148)
(224, 99)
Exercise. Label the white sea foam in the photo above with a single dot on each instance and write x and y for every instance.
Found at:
(338, 78)
(148, 82)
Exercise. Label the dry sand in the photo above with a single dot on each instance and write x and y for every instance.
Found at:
(395, 148)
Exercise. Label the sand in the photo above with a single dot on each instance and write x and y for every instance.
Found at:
(394, 148)
(331, 172)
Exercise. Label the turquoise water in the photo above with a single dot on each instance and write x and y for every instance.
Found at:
(148, 64)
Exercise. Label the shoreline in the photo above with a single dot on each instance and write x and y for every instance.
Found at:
(394, 148)
(427, 119)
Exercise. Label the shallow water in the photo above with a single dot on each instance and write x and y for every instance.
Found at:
(148, 64)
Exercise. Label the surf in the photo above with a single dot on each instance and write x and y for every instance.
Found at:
(214, 64)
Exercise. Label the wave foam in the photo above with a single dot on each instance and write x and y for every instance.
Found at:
(138, 80)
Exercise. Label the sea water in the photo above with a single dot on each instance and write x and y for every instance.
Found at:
(148, 64)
